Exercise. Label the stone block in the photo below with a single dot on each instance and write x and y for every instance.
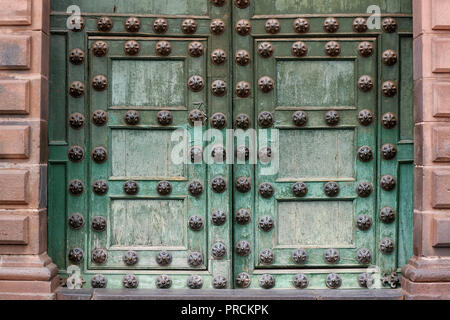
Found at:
(14, 142)
(14, 229)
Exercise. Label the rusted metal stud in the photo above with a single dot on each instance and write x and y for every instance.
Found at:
(99, 117)
(132, 117)
(386, 246)
(160, 25)
(333, 281)
(390, 57)
(75, 153)
(243, 280)
(76, 187)
(331, 189)
(164, 258)
(164, 188)
(132, 48)
(242, 4)
(196, 154)
(77, 23)
(100, 48)
(365, 280)
(99, 155)
(266, 224)
(99, 256)
(218, 56)
(243, 184)
(76, 255)
(364, 222)
(388, 151)
(360, 25)
(76, 56)
(220, 282)
(242, 58)
(217, 27)
(195, 116)
(267, 281)
(389, 25)
(76, 221)
(219, 154)
(266, 190)
(243, 216)
(100, 82)
(365, 154)
(243, 27)
(299, 189)
(196, 83)
(242, 121)
(196, 49)
(219, 185)
(365, 117)
(104, 24)
(387, 182)
(365, 49)
(265, 119)
(365, 83)
(300, 118)
(299, 256)
(243, 153)
(332, 117)
(189, 26)
(164, 117)
(364, 189)
(218, 250)
(218, 217)
(266, 256)
(130, 281)
(100, 187)
(299, 49)
(331, 256)
(389, 89)
(243, 248)
(130, 258)
(265, 84)
(99, 281)
(163, 282)
(265, 49)
(218, 3)
(76, 89)
(132, 24)
(301, 25)
(272, 26)
(265, 154)
(389, 120)
(163, 48)
(243, 89)
(387, 215)
(332, 48)
(98, 224)
(195, 259)
(364, 256)
(76, 120)
(131, 187)
(195, 188)
(195, 282)
(196, 223)
(219, 88)
(300, 281)
(331, 25)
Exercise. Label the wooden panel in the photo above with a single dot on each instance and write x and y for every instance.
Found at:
(405, 213)
(316, 154)
(315, 223)
(143, 153)
(149, 223)
(406, 87)
(148, 83)
(316, 83)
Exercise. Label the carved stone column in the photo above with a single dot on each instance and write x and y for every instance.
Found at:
(26, 272)
(427, 276)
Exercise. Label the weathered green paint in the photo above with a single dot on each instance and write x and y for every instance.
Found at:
(315, 154)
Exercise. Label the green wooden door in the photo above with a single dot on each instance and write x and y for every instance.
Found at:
(314, 108)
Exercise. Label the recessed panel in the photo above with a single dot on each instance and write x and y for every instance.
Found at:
(148, 83)
(316, 154)
(317, 224)
(148, 223)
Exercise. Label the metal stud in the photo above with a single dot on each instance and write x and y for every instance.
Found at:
(132, 48)
(242, 121)
(163, 282)
(218, 250)
(364, 189)
(104, 24)
(265, 84)
(76, 89)
(76, 221)
(300, 281)
(331, 256)
(272, 26)
(243, 89)
(365, 117)
(388, 151)
(387, 215)
(164, 117)
(220, 282)
(98, 223)
(99, 256)
(242, 153)
(76, 56)
(196, 154)
(387, 182)
(218, 3)
(218, 88)
(243, 184)
(132, 117)
(390, 25)
(196, 83)
(331, 25)
(77, 23)
(164, 188)
(195, 282)
(76, 255)
(266, 256)
(130, 258)
(131, 187)
(130, 281)
(301, 25)
(217, 27)
(242, 4)
(163, 258)
(365, 154)
(99, 117)
(189, 26)
(390, 57)
(99, 155)
(333, 281)
(365, 49)
(133, 24)
(331, 189)
(360, 25)
(196, 116)
(76, 121)
(243, 248)
(195, 188)
(299, 256)
(243, 280)
(75, 153)
(365, 280)
(219, 185)
(100, 48)
(364, 256)
(265, 119)
(219, 121)
(386, 246)
(332, 117)
(364, 222)
(265, 154)
(219, 154)
(389, 120)
(195, 259)
(100, 187)
(196, 223)
(365, 83)
(243, 27)
(265, 49)
(160, 25)
(242, 58)
(389, 89)
(266, 224)
(218, 218)
(218, 56)
(266, 190)
(195, 49)
(76, 187)
(163, 48)
(393, 280)
(332, 48)
(267, 281)
(299, 189)
(299, 49)
(100, 82)
(300, 118)
(243, 216)
(99, 281)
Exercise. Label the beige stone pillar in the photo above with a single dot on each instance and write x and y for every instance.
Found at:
(427, 276)
(25, 269)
